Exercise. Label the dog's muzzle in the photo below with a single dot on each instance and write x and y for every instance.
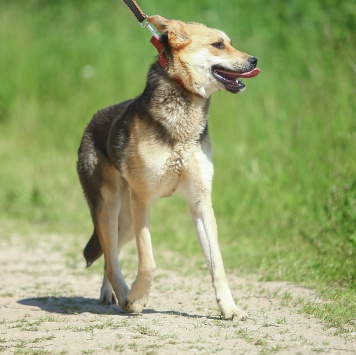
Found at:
(229, 78)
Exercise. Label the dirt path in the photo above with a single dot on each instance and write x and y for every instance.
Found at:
(48, 305)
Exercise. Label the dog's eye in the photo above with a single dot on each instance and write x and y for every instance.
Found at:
(218, 45)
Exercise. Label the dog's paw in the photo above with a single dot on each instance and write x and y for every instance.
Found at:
(135, 303)
(107, 294)
(134, 306)
(137, 297)
(234, 313)
(107, 297)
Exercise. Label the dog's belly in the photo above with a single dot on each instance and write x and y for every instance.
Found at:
(167, 186)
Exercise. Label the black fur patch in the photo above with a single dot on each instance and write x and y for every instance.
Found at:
(161, 133)
(166, 47)
(204, 133)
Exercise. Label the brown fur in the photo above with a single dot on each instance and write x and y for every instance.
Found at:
(140, 150)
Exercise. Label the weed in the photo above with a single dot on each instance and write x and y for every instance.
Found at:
(146, 330)
(133, 345)
(43, 338)
(7, 294)
(270, 349)
(244, 334)
(113, 347)
(338, 314)
(169, 336)
(21, 344)
(260, 342)
(49, 318)
(157, 321)
(217, 333)
(201, 339)
(281, 320)
(286, 299)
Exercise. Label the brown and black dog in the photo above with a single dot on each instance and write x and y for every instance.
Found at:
(140, 150)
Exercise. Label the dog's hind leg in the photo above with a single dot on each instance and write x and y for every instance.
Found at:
(140, 288)
(126, 233)
(197, 188)
(107, 294)
(106, 219)
(126, 230)
(93, 251)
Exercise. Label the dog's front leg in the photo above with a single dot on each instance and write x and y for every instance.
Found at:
(140, 289)
(205, 224)
(197, 188)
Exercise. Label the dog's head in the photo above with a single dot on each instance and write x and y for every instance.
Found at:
(204, 58)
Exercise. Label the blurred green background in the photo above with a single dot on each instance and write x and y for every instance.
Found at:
(284, 150)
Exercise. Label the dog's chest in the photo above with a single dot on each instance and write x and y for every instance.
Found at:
(161, 161)
(163, 140)
(161, 167)
(178, 159)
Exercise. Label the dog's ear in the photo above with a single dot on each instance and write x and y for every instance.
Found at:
(159, 22)
(177, 38)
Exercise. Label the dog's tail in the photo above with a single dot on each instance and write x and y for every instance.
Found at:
(92, 250)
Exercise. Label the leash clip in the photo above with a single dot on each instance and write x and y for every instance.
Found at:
(142, 19)
(156, 42)
(145, 23)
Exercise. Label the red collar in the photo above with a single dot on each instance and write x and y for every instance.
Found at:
(155, 40)
(159, 46)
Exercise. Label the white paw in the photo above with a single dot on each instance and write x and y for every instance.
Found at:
(134, 306)
(233, 312)
(107, 296)
(137, 298)
(110, 296)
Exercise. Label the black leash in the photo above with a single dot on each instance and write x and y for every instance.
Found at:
(142, 19)
(155, 40)
(140, 15)
(135, 9)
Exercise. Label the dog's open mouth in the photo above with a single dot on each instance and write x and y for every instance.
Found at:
(230, 78)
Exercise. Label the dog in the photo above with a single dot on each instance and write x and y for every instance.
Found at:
(137, 151)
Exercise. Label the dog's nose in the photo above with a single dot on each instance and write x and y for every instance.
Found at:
(253, 61)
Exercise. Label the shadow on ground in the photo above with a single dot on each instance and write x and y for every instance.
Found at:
(77, 305)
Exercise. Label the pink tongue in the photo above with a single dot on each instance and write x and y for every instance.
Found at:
(249, 74)
(233, 75)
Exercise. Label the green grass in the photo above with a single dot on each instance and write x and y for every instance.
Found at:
(284, 151)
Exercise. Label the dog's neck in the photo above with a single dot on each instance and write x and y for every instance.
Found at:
(162, 57)
(182, 113)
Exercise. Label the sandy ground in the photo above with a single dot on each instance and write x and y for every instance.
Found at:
(48, 305)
